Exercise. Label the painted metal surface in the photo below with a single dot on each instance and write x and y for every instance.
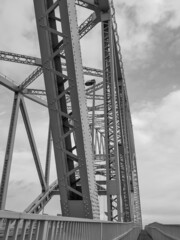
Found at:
(44, 227)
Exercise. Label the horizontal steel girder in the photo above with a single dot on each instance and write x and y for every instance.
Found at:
(19, 58)
(29, 60)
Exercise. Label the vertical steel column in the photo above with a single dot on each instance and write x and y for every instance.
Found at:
(93, 119)
(79, 109)
(59, 44)
(9, 151)
(111, 141)
(48, 156)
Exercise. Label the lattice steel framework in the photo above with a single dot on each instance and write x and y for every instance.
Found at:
(74, 125)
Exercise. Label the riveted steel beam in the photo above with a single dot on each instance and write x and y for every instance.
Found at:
(19, 58)
(34, 91)
(72, 155)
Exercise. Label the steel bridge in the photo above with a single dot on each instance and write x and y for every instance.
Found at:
(90, 131)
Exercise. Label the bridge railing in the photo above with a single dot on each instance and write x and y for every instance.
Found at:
(163, 231)
(44, 227)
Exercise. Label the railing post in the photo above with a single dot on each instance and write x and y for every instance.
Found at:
(101, 232)
(7, 229)
(43, 231)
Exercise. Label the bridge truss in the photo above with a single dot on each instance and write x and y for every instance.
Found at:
(84, 173)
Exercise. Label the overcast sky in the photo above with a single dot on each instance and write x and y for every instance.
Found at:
(150, 40)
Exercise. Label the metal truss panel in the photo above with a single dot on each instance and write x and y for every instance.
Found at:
(111, 140)
(79, 155)
(63, 123)
(88, 24)
(19, 58)
(127, 131)
(54, 107)
(124, 160)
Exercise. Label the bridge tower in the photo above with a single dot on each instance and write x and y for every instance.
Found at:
(88, 141)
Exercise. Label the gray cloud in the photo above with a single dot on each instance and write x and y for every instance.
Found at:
(157, 133)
